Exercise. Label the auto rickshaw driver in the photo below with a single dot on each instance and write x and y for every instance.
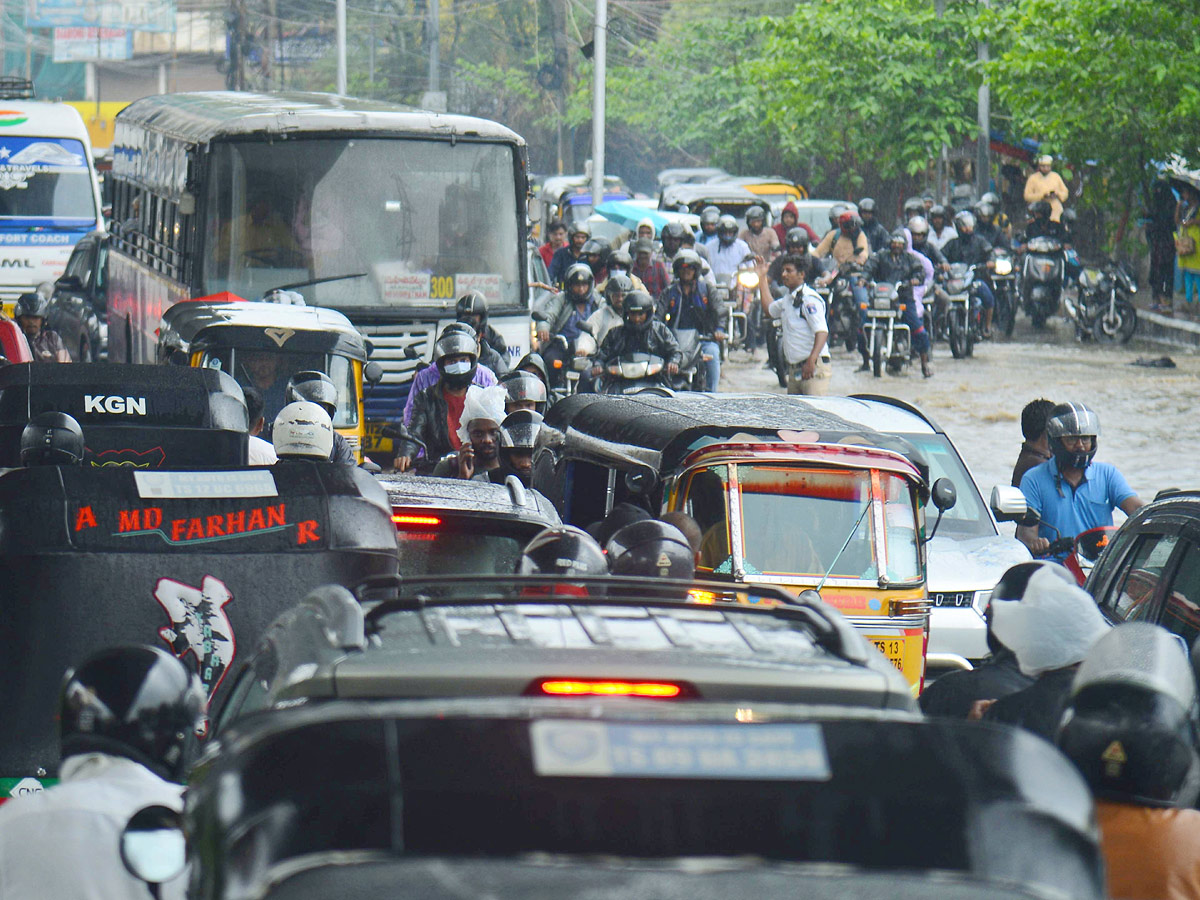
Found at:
(261, 369)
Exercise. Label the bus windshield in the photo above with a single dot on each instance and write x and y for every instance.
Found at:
(45, 182)
(392, 222)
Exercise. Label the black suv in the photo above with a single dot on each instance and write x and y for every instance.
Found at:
(1150, 570)
(79, 308)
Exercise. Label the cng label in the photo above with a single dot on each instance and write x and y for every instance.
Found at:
(12, 117)
(26, 786)
(101, 403)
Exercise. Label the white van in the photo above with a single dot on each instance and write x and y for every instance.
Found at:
(49, 195)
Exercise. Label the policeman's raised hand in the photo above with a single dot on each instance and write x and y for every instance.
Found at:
(402, 463)
(760, 266)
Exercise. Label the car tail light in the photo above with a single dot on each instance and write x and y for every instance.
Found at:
(410, 521)
(570, 687)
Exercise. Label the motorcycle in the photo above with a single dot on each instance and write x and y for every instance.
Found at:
(745, 311)
(585, 349)
(963, 322)
(1042, 279)
(888, 339)
(841, 310)
(1004, 286)
(634, 372)
(691, 369)
(1103, 307)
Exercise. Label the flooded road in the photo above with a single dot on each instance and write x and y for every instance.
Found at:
(1149, 416)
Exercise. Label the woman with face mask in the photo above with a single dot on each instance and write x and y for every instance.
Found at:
(438, 409)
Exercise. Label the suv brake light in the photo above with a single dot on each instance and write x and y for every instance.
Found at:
(562, 687)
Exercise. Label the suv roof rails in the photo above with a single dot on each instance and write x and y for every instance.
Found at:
(13, 87)
(901, 404)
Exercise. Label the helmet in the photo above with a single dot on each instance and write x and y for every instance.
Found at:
(456, 343)
(638, 301)
(31, 304)
(525, 386)
(673, 230)
(937, 210)
(621, 259)
(643, 245)
(756, 212)
(620, 283)
(138, 702)
(1041, 209)
(848, 220)
(314, 386)
(898, 236)
(303, 429)
(835, 211)
(595, 247)
(866, 205)
(1072, 420)
(579, 273)
(618, 517)
(918, 225)
(52, 439)
(519, 430)
(727, 227)
(984, 210)
(470, 305)
(992, 198)
(686, 258)
(652, 549)
(562, 550)
(914, 206)
(1130, 724)
(796, 237)
(710, 215)
(964, 220)
(580, 227)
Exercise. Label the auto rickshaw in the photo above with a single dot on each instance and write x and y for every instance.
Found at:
(731, 199)
(783, 494)
(197, 561)
(145, 417)
(264, 344)
(569, 197)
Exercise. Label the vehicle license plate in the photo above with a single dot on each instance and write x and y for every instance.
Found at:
(893, 649)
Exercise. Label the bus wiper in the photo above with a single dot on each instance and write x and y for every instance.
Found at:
(310, 283)
(845, 544)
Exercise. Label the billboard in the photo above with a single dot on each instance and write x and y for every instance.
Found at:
(88, 44)
(137, 15)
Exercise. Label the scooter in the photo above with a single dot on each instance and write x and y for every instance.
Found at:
(888, 339)
(1103, 308)
(964, 327)
(1042, 279)
(691, 369)
(1004, 286)
(634, 372)
(745, 311)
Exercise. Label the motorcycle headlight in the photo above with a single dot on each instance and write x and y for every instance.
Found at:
(748, 279)
(882, 301)
(1003, 267)
(981, 601)
(633, 369)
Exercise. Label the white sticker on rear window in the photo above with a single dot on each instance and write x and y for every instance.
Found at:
(165, 485)
(774, 752)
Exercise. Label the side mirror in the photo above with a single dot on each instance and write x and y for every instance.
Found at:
(373, 373)
(1009, 505)
(69, 283)
(640, 481)
(411, 352)
(808, 595)
(943, 494)
(1092, 542)
(153, 847)
(178, 357)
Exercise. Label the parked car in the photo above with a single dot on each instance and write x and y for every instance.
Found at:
(79, 308)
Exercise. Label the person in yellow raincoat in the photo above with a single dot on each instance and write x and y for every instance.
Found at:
(1047, 185)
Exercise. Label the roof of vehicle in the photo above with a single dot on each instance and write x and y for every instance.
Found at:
(658, 430)
(879, 412)
(456, 496)
(557, 185)
(646, 779)
(721, 191)
(201, 116)
(693, 175)
(254, 324)
(49, 120)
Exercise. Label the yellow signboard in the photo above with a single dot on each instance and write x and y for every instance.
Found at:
(99, 120)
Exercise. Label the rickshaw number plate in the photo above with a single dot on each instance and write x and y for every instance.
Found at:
(892, 649)
(374, 440)
(205, 485)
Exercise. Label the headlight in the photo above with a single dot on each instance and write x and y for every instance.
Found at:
(634, 369)
(748, 279)
(1003, 266)
(883, 301)
(981, 601)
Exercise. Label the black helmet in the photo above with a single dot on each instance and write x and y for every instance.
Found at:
(618, 517)
(710, 215)
(579, 273)
(524, 386)
(756, 212)
(866, 205)
(52, 439)
(580, 227)
(1072, 420)
(519, 430)
(138, 702)
(472, 305)
(595, 247)
(674, 230)
(652, 549)
(620, 283)
(621, 259)
(688, 258)
(455, 343)
(637, 301)
(31, 304)
(898, 235)
(727, 227)
(1041, 209)
(315, 387)
(562, 550)
(1130, 724)
(937, 210)
(797, 237)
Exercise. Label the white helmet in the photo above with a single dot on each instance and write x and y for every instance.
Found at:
(303, 429)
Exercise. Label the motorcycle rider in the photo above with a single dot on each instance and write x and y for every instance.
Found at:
(1130, 728)
(640, 332)
(991, 224)
(846, 242)
(556, 237)
(431, 374)
(621, 263)
(709, 217)
(973, 250)
(303, 430)
(897, 264)
(127, 722)
(317, 387)
(941, 232)
(728, 251)
(805, 336)
(672, 241)
(562, 550)
(1070, 492)
(649, 269)
(650, 549)
(796, 244)
(1043, 225)
(52, 439)
(644, 231)
(918, 230)
(1048, 186)
(877, 235)
(761, 240)
(578, 234)
(472, 308)
(690, 304)
(438, 408)
(518, 436)
(596, 254)
(478, 434)
(45, 343)
(525, 391)
(608, 315)
(789, 219)
(561, 315)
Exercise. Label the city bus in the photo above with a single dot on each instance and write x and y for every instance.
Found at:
(385, 213)
(49, 196)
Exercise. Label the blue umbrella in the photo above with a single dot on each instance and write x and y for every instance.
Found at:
(627, 214)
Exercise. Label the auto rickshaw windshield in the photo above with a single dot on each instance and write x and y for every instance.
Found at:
(794, 521)
(269, 371)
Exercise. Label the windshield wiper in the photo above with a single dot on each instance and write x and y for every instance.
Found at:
(845, 544)
(310, 283)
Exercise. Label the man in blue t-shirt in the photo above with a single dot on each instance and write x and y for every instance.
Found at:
(1069, 491)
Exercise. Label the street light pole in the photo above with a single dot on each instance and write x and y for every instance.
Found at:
(341, 47)
(983, 158)
(600, 45)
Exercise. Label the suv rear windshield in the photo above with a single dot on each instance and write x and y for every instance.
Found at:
(464, 546)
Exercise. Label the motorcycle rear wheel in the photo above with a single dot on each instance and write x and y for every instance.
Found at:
(850, 327)
(1006, 314)
(877, 361)
(1120, 328)
(959, 339)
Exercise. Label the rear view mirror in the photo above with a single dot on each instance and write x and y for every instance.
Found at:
(640, 481)
(373, 373)
(1009, 505)
(69, 283)
(1091, 543)
(943, 494)
(153, 847)
(178, 357)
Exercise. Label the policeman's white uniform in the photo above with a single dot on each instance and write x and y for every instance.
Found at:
(65, 842)
(803, 315)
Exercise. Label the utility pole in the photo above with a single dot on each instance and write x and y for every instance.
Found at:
(943, 188)
(341, 47)
(599, 59)
(983, 161)
(434, 44)
(562, 62)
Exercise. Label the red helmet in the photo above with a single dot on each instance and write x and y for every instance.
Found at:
(847, 219)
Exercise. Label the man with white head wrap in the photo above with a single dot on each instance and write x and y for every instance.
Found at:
(1050, 629)
(479, 432)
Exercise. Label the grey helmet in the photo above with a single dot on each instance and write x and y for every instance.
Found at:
(964, 220)
(918, 225)
(525, 386)
(710, 215)
(314, 386)
(1072, 420)
(727, 229)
